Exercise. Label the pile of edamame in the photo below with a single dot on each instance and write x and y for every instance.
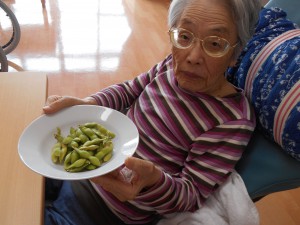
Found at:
(84, 148)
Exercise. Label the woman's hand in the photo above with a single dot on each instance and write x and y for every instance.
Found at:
(125, 184)
(55, 103)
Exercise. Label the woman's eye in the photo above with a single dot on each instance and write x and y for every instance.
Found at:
(216, 44)
(185, 37)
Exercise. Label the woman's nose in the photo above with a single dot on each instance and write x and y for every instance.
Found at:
(196, 53)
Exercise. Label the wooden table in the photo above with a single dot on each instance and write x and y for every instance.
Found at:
(22, 96)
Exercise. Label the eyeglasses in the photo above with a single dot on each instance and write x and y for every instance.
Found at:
(213, 46)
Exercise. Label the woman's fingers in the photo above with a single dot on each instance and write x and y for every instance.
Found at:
(55, 103)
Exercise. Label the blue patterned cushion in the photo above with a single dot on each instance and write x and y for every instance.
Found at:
(268, 70)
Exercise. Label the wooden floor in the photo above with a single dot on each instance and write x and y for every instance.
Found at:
(84, 46)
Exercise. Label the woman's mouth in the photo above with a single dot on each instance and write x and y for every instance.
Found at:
(190, 74)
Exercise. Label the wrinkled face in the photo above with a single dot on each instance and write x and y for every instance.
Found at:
(194, 70)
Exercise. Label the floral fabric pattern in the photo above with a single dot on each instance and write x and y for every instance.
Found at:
(275, 86)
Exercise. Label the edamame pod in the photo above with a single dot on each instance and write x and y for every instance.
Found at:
(58, 136)
(94, 160)
(72, 132)
(95, 141)
(83, 138)
(67, 140)
(77, 139)
(78, 132)
(63, 153)
(56, 152)
(82, 153)
(54, 158)
(67, 161)
(107, 157)
(88, 132)
(89, 148)
(77, 163)
(101, 154)
(90, 125)
(74, 156)
(78, 169)
(91, 167)
(73, 144)
(111, 134)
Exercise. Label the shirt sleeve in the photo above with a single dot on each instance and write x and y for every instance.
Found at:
(122, 96)
(211, 159)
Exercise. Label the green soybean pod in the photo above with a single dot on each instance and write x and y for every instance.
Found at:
(67, 140)
(102, 153)
(72, 132)
(78, 132)
(78, 163)
(97, 132)
(95, 141)
(67, 161)
(90, 125)
(74, 156)
(56, 151)
(54, 158)
(102, 129)
(95, 161)
(107, 157)
(77, 139)
(63, 153)
(91, 167)
(58, 135)
(78, 169)
(83, 138)
(88, 131)
(89, 148)
(73, 144)
(82, 153)
(111, 134)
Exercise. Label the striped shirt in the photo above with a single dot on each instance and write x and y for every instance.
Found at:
(194, 138)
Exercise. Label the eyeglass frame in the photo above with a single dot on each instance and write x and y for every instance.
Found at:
(175, 43)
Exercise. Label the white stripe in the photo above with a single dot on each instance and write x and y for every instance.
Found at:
(237, 126)
(213, 112)
(202, 177)
(262, 57)
(224, 171)
(233, 110)
(290, 100)
(178, 117)
(167, 157)
(216, 140)
(157, 129)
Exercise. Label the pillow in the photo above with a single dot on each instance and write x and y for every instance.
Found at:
(268, 69)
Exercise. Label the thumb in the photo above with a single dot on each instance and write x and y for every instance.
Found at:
(136, 164)
(139, 166)
(144, 170)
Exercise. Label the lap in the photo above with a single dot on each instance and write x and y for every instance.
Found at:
(64, 207)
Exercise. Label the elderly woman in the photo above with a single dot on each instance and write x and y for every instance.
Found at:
(193, 124)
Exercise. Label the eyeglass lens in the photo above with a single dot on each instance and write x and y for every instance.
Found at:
(213, 45)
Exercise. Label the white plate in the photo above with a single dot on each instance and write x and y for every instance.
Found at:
(37, 140)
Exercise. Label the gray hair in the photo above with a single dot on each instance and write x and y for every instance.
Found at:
(244, 12)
